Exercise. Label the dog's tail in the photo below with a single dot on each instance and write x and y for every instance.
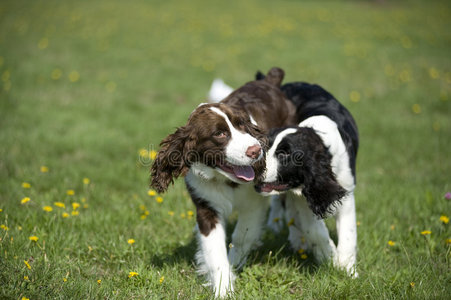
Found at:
(218, 91)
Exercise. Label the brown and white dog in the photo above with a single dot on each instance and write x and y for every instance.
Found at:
(220, 151)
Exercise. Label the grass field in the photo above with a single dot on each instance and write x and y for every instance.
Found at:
(89, 87)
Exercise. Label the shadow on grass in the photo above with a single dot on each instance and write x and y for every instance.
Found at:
(274, 249)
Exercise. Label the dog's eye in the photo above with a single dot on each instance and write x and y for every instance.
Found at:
(220, 134)
(240, 124)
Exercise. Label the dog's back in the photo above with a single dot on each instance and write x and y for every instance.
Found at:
(312, 100)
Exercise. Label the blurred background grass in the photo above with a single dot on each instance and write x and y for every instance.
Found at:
(86, 84)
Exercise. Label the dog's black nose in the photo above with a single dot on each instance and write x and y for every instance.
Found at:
(258, 188)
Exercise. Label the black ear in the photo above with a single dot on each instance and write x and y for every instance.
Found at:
(321, 188)
(171, 160)
(259, 76)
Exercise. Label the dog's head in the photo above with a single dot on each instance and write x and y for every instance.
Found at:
(297, 160)
(217, 138)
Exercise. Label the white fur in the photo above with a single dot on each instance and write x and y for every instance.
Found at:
(276, 215)
(308, 231)
(272, 164)
(209, 184)
(212, 260)
(218, 91)
(308, 228)
(239, 143)
(253, 120)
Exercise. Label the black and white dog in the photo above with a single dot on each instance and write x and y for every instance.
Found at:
(313, 164)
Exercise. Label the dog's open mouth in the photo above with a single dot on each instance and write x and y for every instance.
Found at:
(268, 187)
(245, 173)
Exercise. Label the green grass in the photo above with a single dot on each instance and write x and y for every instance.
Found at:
(143, 66)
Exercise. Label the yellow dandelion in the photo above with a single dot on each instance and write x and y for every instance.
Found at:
(26, 185)
(33, 238)
(444, 219)
(304, 256)
(153, 154)
(43, 43)
(426, 232)
(161, 279)
(75, 213)
(354, 96)
(19, 228)
(391, 243)
(86, 181)
(131, 241)
(146, 213)
(392, 227)
(99, 281)
(6, 75)
(405, 76)
(152, 193)
(143, 152)
(7, 86)
(74, 76)
(47, 208)
(406, 42)
(182, 215)
(190, 213)
(65, 215)
(132, 274)
(142, 207)
(171, 213)
(412, 284)
(389, 70)
(59, 204)
(416, 108)
(25, 200)
(70, 192)
(4, 227)
(83, 200)
(110, 86)
(44, 169)
(85, 205)
(75, 205)
(448, 241)
(25, 278)
(25, 298)
(358, 223)
(27, 264)
(275, 220)
(56, 74)
(291, 222)
(433, 72)
(64, 279)
(1, 209)
(300, 251)
(436, 126)
(159, 199)
(143, 217)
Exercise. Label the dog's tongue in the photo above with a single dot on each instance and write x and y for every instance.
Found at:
(245, 173)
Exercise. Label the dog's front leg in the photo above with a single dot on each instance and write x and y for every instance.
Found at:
(251, 217)
(212, 252)
(347, 235)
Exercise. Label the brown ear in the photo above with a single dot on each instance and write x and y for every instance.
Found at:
(171, 161)
(275, 76)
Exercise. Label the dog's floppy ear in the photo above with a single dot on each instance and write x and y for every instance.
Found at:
(321, 188)
(171, 160)
(275, 76)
